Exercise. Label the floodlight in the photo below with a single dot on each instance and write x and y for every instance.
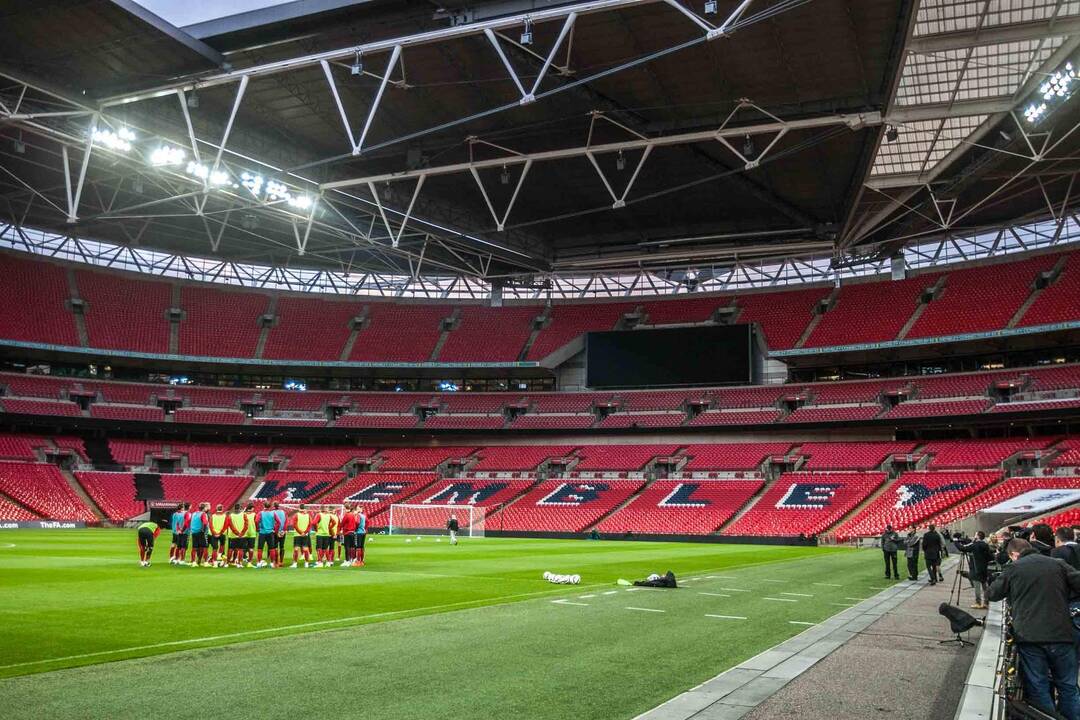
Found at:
(526, 34)
(302, 202)
(253, 182)
(710, 7)
(120, 141)
(167, 155)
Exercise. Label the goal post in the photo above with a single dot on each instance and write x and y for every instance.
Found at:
(406, 519)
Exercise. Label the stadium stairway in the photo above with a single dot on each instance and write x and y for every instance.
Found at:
(859, 508)
(175, 319)
(78, 490)
(751, 502)
(920, 308)
(824, 306)
(542, 320)
(80, 319)
(448, 326)
(1036, 291)
(264, 331)
(621, 505)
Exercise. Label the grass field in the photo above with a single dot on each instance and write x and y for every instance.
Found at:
(425, 630)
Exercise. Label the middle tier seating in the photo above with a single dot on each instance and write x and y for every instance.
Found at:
(196, 488)
(948, 454)
(682, 507)
(850, 455)
(518, 457)
(621, 457)
(802, 503)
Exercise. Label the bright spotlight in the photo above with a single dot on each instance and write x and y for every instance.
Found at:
(301, 202)
(120, 140)
(167, 155)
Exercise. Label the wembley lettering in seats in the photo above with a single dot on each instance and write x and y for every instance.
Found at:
(574, 494)
(683, 496)
(813, 496)
(377, 492)
(294, 490)
(464, 493)
(910, 494)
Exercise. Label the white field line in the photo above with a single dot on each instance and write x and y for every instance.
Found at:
(585, 597)
(7, 545)
(797, 622)
(797, 594)
(779, 599)
(714, 594)
(726, 617)
(611, 592)
(842, 604)
(568, 602)
(829, 584)
(777, 582)
(856, 599)
(732, 590)
(503, 600)
(646, 609)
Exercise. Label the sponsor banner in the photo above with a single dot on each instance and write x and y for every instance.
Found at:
(1035, 501)
(42, 525)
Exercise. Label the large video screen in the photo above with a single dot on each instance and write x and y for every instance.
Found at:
(703, 355)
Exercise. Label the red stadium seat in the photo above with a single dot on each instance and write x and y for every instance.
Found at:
(681, 507)
(802, 503)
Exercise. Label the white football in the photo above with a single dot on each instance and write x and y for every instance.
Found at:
(575, 579)
(547, 574)
(408, 540)
(438, 539)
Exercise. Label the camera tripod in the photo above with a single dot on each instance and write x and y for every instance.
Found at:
(961, 567)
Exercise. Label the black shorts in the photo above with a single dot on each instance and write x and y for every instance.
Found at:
(267, 540)
(146, 538)
(217, 542)
(301, 541)
(198, 541)
(361, 538)
(350, 541)
(324, 542)
(180, 540)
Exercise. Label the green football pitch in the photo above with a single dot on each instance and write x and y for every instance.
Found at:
(425, 630)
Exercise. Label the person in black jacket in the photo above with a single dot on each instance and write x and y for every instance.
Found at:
(911, 552)
(1038, 588)
(1065, 548)
(931, 548)
(979, 552)
(890, 543)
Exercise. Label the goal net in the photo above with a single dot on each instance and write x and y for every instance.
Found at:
(408, 519)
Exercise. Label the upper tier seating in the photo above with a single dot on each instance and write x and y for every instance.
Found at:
(518, 457)
(42, 489)
(1001, 492)
(736, 417)
(552, 422)
(754, 397)
(296, 487)
(681, 507)
(682, 311)
(208, 416)
(981, 298)
(659, 399)
(850, 455)
(123, 313)
(732, 456)
(211, 455)
(424, 458)
(801, 503)
(1060, 302)
(914, 497)
(957, 385)
(862, 391)
(465, 422)
(310, 329)
(214, 489)
(564, 506)
(566, 402)
(784, 316)
(322, 458)
(621, 457)
(399, 333)
(381, 420)
(11, 511)
(376, 491)
(221, 323)
(24, 406)
(113, 493)
(847, 318)
(1055, 377)
(486, 334)
(977, 453)
(33, 302)
(571, 322)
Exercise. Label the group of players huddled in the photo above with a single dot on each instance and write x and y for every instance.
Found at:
(239, 538)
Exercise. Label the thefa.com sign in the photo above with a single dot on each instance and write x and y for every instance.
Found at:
(42, 525)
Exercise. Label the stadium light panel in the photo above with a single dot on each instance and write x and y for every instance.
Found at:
(1056, 90)
(120, 140)
(167, 155)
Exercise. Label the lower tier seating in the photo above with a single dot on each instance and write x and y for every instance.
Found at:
(1001, 492)
(802, 503)
(681, 507)
(375, 492)
(11, 511)
(913, 498)
(564, 506)
(113, 493)
(484, 496)
(296, 487)
(1069, 518)
(42, 489)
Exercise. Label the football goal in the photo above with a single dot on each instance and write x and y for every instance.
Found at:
(408, 519)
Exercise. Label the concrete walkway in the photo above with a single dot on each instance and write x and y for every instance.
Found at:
(880, 658)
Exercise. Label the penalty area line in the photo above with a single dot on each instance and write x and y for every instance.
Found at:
(726, 617)
(503, 600)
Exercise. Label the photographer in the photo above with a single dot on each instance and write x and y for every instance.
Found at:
(1065, 548)
(979, 552)
(911, 552)
(890, 543)
(932, 544)
(1038, 589)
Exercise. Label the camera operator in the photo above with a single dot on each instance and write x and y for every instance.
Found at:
(932, 544)
(1038, 590)
(911, 552)
(979, 552)
(890, 543)
(1065, 547)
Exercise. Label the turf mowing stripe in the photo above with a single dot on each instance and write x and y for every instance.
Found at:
(779, 599)
(645, 609)
(726, 617)
(797, 594)
(264, 631)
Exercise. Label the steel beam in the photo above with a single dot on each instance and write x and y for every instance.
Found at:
(995, 35)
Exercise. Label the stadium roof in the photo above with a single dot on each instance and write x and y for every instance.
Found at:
(436, 138)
